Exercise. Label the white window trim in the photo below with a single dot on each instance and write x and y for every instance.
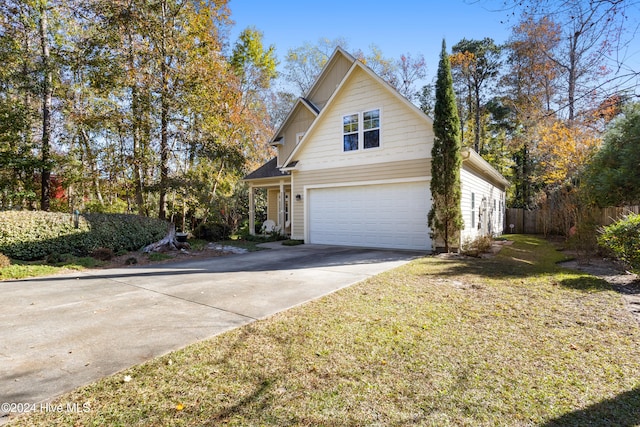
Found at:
(361, 131)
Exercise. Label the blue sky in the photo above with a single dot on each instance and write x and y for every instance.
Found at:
(395, 26)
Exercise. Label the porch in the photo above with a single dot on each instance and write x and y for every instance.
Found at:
(277, 185)
(278, 206)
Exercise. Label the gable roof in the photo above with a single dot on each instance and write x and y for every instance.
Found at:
(310, 104)
(356, 65)
(300, 101)
(337, 54)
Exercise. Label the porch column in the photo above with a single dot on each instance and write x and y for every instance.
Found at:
(252, 212)
(281, 208)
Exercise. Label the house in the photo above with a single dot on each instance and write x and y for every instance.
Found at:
(353, 167)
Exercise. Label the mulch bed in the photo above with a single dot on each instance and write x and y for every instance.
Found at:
(175, 256)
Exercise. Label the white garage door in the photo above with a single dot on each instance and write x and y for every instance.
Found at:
(383, 216)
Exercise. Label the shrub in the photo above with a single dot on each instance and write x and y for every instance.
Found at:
(622, 238)
(122, 232)
(213, 231)
(117, 206)
(30, 235)
(53, 258)
(4, 261)
(293, 242)
(478, 246)
(102, 254)
(56, 258)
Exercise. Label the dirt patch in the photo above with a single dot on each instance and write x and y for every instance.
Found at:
(496, 246)
(610, 270)
(133, 259)
(623, 281)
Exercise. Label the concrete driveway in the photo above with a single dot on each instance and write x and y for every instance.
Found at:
(62, 332)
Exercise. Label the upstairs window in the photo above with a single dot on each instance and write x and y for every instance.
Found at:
(371, 125)
(350, 132)
(361, 131)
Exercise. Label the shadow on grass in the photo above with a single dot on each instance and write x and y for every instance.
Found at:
(586, 283)
(530, 257)
(261, 397)
(477, 267)
(621, 411)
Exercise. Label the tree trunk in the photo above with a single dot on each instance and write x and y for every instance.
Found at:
(135, 131)
(573, 64)
(164, 146)
(47, 93)
(168, 242)
(91, 158)
(164, 118)
(476, 143)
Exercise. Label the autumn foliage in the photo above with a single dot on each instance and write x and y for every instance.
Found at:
(563, 150)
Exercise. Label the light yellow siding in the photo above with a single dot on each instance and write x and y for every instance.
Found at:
(272, 205)
(330, 79)
(405, 134)
(299, 122)
(417, 169)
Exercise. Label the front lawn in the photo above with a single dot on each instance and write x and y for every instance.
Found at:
(512, 340)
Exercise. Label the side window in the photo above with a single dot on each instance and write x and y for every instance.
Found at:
(473, 210)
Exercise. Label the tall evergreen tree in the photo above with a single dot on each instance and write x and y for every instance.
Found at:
(478, 62)
(445, 216)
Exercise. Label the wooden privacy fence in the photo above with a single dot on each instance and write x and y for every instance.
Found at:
(537, 221)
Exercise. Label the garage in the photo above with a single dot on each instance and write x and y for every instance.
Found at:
(382, 216)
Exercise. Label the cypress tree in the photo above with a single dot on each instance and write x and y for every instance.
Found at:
(445, 216)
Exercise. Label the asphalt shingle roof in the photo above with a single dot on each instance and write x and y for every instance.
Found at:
(268, 170)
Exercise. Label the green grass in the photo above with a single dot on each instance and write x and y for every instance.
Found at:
(158, 256)
(25, 269)
(198, 244)
(513, 340)
(22, 271)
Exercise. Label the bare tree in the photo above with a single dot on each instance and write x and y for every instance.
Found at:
(303, 65)
(592, 50)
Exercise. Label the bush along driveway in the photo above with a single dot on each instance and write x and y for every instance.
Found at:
(510, 340)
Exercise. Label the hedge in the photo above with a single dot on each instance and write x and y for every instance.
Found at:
(212, 231)
(30, 235)
(622, 238)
